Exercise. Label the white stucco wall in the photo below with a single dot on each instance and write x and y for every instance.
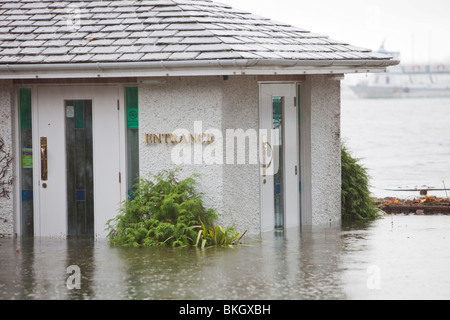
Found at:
(321, 157)
(241, 183)
(233, 190)
(6, 132)
(174, 105)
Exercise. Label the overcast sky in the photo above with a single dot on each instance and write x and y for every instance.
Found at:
(419, 29)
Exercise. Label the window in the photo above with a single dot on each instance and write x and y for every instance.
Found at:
(131, 104)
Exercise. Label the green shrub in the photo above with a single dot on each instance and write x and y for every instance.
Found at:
(162, 212)
(167, 212)
(357, 204)
(217, 236)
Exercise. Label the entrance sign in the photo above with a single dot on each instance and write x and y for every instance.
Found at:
(208, 146)
(172, 138)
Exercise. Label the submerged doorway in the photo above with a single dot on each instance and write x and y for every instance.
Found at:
(79, 159)
(77, 136)
(280, 194)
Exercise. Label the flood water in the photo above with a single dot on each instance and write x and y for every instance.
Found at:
(397, 257)
(403, 143)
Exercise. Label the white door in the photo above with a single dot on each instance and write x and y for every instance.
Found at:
(280, 171)
(78, 164)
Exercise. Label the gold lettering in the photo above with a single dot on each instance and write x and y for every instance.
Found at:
(156, 138)
(165, 137)
(209, 138)
(148, 138)
(183, 138)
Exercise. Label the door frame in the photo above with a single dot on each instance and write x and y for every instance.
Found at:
(121, 136)
(291, 219)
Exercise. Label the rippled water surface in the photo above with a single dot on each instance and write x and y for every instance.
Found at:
(402, 142)
(397, 257)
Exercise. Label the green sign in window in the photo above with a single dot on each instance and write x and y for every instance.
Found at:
(27, 158)
(132, 107)
(131, 103)
(132, 118)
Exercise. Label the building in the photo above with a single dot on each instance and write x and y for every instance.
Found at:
(93, 93)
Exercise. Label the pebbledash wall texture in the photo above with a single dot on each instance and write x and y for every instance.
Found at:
(214, 103)
(6, 134)
(322, 104)
(234, 189)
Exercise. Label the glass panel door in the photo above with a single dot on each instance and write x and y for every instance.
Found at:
(77, 143)
(278, 159)
(132, 107)
(26, 162)
(79, 158)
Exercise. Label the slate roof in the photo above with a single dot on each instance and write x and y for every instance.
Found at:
(62, 32)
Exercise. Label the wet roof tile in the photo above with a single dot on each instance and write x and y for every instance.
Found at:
(158, 56)
(184, 55)
(60, 58)
(130, 57)
(104, 49)
(148, 30)
(106, 57)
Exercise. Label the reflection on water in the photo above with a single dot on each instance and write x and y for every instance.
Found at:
(393, 258)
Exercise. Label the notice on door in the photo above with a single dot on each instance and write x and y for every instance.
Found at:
(27, 158)
(70, 111)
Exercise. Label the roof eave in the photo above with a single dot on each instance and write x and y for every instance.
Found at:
(192, 68)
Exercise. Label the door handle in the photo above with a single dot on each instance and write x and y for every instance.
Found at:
(44, 163)
(266, 144)
(264, 154)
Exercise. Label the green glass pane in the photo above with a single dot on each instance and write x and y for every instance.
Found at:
(131, 97)
(276, 111)
(132, 109)
(132, 118)
(26, 162)
(279, 157)
(131, 103)
(25, 108)
(79, 114)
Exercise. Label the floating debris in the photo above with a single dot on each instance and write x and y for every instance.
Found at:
(419, 206)
(423, 190)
